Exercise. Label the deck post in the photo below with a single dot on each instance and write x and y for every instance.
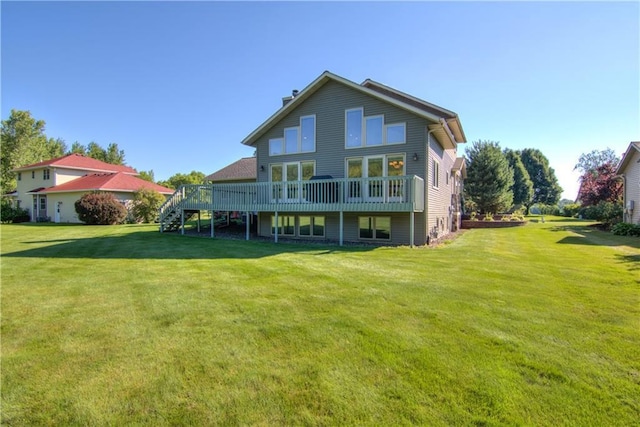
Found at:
(248, 225)
(213, 223)
(341, 227)
(275, 235)
(198, 221)
(411, 229)
(182, 222)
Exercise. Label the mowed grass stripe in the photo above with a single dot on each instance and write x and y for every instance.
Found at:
(536, 325)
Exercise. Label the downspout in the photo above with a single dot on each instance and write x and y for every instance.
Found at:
(427, 184)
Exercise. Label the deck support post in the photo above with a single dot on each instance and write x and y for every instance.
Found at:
(275, 235)
(182, 222)
(213, 223)
(248, 225)
(198, 221)
(341, 227)
(412, 227)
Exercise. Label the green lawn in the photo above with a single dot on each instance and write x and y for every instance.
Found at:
(122, 325)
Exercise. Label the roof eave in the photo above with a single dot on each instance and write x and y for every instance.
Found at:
(252, 139)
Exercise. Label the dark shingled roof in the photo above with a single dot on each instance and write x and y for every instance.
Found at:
(243, 169)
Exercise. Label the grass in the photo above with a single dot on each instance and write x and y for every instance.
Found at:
(534, 325)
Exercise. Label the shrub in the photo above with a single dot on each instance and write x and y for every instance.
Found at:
(100, 208)
(626, 229)
(488, 216)
(571, 209)
(607, 213)
(10, 214)
(146, 204)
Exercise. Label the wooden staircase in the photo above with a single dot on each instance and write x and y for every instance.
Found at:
(173, 210)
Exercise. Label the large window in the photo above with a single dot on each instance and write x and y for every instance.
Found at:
(370, 131)
(299, 139)
(311, 226)
(286, 225)
(375, 227)
(291, 174)
(375, 167)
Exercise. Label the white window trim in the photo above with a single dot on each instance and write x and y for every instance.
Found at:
(363, 130)
(385, 162)
(435, 174)
(281, 141)
(299, 138)
(311, 226)
(404, 137)
(374, 229)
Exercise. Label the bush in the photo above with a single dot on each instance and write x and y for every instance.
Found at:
(571, 209)
(10, 214)
(607, 213)
(626, 229)
(99, 208)
(146, 204)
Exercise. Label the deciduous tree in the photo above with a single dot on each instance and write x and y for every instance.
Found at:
(146, 204)
(24, 142)
(522, 186)
(546, 189)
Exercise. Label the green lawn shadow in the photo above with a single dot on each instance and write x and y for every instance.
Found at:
(155, 245)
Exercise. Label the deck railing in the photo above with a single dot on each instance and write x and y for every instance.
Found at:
(383, 194)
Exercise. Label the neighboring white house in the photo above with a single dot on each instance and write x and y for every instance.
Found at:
(48, 190)
(629, 169)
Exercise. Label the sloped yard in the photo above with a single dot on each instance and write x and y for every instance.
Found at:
(533, 325)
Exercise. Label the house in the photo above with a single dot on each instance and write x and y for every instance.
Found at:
(629, 169)
(49, 189)
(342, 161)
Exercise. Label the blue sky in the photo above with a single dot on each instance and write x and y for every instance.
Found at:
(179, 85)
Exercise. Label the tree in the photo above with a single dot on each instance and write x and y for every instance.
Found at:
(147, 175)
(179, 179)
(112, 154)
(100, 208)
(598, 182)
(24, 142)
(600, 185)
(146, 203)
(546, 189)
(489, 177)
(522, 185)
(589, 162)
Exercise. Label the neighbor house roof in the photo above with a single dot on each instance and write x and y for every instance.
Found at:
(118, 181)
(446, 125)
(243, 169)
(78, 161)
(626, 158)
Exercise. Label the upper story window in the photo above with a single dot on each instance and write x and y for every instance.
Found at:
(435, 178)
(19, 176)
(45, 174)
(299, 139)
(33, 174)
(370, 131)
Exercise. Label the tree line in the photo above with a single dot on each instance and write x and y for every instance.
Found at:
(503, 180)
(24, 142)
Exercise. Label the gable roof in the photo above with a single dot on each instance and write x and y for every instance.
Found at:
(79, 162)
(626, 158)
(118, 181)
(243, 169)
(443, 120)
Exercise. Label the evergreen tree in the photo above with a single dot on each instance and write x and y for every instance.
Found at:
(489, 177)
(522, 186)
